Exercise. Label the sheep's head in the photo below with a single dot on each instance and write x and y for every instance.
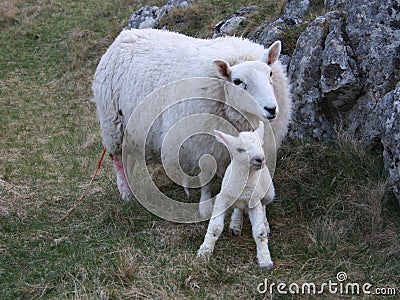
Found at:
(247, 148)
(256, 78)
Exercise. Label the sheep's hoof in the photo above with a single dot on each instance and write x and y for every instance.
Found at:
(236, 231)
(266, 265)
(126, 196)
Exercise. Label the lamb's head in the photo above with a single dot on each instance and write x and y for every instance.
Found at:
(256, 78)
(247, 148)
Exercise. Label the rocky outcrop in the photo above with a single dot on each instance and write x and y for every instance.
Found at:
(325, 78)
(344, 71)
(293, 17)
(150, 16)
(389, 116)
(231, 23)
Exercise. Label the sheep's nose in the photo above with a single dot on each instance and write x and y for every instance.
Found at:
(259, 160)
(271, 110)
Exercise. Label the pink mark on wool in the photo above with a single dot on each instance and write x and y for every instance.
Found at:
(118, 165)
(121, 178)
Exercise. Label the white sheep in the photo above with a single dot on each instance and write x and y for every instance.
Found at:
(140, 61)
(247, 180)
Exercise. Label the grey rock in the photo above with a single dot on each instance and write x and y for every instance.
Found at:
(146, 17)
(293, 15)
(295, 11)
(340, 84)
(285, 60)
(178, 3)
(389, 116)
(231, 23)
(150, 16)
(345, 73)
(334, 4)
(304, 75)
(373, 33)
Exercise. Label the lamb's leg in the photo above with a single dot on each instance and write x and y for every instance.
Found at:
(214, 230)
(122, 183)
(236, 222)
(267, 199)
(265, 219)
(257, 218)
(205, 205)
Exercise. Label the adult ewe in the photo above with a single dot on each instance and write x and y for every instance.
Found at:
(140, 61)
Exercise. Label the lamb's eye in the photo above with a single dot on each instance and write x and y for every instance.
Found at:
(237, 82)
(240, 150)
(270, 74)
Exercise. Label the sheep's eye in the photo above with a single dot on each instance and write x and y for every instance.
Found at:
(237, 82)
(270, 74)
(240, 150)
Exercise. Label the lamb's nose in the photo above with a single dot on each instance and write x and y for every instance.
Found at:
(270, 110)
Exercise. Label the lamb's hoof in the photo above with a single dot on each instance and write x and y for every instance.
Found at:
(266, 265)
(204, 252)
(236, 231)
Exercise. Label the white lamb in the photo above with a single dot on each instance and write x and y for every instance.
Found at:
(140, 61)
(247, 180)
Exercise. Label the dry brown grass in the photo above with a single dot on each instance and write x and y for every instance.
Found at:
(8, 13)
(13, 199)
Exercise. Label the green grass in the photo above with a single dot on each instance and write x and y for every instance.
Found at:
(333, 211)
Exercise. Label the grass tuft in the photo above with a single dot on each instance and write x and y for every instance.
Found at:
(8, 14)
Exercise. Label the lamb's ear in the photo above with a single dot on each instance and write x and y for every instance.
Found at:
(260, 130)
(223, 138)
(223, 68)
(272, 54)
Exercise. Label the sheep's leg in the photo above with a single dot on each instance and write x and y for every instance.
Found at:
(205, 205)
(236, 222)
(123, 187)
(214, 230)
(265, 219)
(257, 218)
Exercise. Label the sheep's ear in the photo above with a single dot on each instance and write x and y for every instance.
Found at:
(272, 54)
(223, 138)
(223, 68)
(260, 130)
